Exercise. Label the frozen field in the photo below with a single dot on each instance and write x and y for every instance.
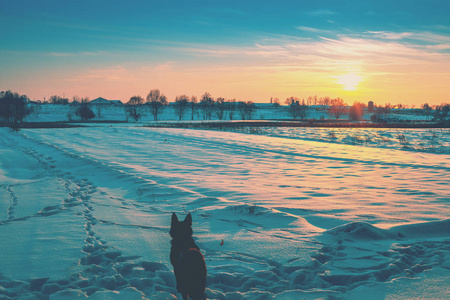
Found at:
(86, 212)
(421, 140)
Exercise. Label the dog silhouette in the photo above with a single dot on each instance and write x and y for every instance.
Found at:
(187, 260)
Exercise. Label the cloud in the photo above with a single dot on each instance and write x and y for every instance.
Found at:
(336, 48)
(314, 30)
(82, 53)
(117, 73)
(390, 35)
(421, 36)
(438, 47)
(371, 53)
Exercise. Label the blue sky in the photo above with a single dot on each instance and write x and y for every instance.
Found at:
(124, 48)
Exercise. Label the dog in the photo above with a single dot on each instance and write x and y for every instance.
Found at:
(188, 262)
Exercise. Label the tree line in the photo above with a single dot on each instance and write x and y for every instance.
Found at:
(15, 107)
(207, 107)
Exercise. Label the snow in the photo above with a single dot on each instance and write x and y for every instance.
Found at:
(85, 212)
(264, 111)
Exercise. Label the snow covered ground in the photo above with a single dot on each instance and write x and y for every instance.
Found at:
(435, 140)
(60, 113)
(86, 212)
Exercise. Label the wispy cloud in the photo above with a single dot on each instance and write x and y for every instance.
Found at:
(81, 53)
(390, 35)
(326, 52)
(424, 36)
(117, 73)
(314, 30)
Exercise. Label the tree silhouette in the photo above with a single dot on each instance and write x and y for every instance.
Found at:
(84, 111)
(207, 106)
(55, 99)
(442, 111)
(193, 105)
(297, 109)
(13, 107)
(275, 102)
(220, 107)
(337, 107)
(135, 107)
(180, 106)
(427, 109)
(231, 107)
(246, 109)
(156, 101)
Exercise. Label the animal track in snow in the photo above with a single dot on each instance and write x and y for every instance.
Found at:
(13, 201)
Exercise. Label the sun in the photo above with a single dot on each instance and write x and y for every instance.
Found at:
(349, 81)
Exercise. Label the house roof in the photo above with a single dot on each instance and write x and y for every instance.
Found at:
(116, 101)
(101, 100)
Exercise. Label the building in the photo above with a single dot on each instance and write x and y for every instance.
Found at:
(116, 102)
(103, 101)
(370, 106)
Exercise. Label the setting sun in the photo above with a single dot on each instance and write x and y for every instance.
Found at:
(349, 81)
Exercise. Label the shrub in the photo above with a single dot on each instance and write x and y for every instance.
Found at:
(85, 112)
(356, 112)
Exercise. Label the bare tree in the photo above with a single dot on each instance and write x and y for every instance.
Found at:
(207, 106)
(193, 105)
(291, 100)
(220, 107)
(250, 109)
(298, 110)
(276, 102)
(76, 100)
(441, 112)
(156, 101)
(426, 108)
(55, 99)
(231, 107)
(181, 104)
(337, 107)
(135, 107)
(324, 101)
(246, 109)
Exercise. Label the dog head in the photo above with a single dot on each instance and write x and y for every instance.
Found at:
(181, 230)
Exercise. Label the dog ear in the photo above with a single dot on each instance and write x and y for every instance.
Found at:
(188, 219)
(174, 218)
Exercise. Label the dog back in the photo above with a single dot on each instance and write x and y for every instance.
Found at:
(193, 273)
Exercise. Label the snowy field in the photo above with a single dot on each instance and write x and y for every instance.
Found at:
(61, 113)
(436, 140)
(86, 212)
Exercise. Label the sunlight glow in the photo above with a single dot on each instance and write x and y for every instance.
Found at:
(349, 81)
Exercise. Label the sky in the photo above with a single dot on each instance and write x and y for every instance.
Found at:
(391, 51)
